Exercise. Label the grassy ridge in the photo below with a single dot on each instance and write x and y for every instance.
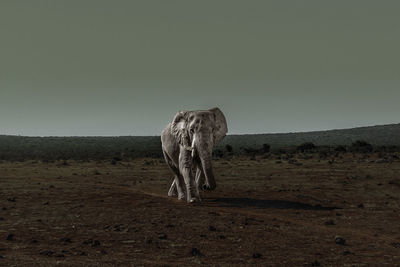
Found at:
(382, 135)
(50, 148)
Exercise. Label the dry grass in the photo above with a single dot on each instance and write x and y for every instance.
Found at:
(262, 213)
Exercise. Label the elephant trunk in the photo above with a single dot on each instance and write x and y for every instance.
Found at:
(204, 150)
(208, 173)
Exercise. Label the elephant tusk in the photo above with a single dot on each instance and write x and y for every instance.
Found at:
(193, 145)
(188, 148)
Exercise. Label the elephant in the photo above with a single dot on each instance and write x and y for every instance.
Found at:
(187, 144)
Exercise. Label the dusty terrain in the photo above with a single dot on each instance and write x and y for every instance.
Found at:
(309, 212)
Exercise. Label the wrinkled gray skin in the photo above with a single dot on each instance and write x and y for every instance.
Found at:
(187, 144)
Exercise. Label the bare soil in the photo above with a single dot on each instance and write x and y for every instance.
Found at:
(265, 212)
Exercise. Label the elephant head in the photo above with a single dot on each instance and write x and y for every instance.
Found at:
(200, 131)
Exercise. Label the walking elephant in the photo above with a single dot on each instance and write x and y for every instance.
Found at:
(187, 144)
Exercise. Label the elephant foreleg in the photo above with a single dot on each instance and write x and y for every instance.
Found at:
(199, 180)
(185, 168)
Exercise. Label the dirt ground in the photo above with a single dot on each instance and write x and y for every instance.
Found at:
(264, 212)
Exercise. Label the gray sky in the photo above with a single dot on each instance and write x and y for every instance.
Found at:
(125, 67)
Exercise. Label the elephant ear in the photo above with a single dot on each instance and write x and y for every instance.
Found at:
(221, 128)
(178, 127)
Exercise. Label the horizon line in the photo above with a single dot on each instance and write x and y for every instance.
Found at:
(116, 136)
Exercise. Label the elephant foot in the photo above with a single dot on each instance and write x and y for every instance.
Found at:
(206, 187)
(181, 197)
(198, 197)
(194, 200)
(171, 194)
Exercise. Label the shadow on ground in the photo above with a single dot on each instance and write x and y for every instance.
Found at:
(267, 204)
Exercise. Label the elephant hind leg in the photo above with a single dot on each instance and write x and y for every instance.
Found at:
(176, 188)
(173, 192)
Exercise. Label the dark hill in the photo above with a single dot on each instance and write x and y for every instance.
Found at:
(50, 148)
(381, 135)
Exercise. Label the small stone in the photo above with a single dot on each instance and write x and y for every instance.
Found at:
(315, 263)
(10, 237)
(340, 240)
(47, 253)
(12, 199)
(221, 237)
(96, 243)
(196, 252)
(329, 222)
(162, 236)
(212, 228)
(87, 242)
(128, 241)
(361, 206)
(346, 252)
(66, 240)
(396, 245)
(257, 255)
